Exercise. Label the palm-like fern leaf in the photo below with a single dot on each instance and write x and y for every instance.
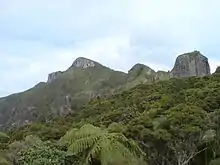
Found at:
(80, 145)
(96, 143)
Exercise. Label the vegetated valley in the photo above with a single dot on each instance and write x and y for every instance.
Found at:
(172, 121)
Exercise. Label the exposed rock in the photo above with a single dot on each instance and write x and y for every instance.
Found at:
(82, 62)
(217, 70)
(66, 108)
(162, 75)
(191, 64)
(53, 76)
(76, 86)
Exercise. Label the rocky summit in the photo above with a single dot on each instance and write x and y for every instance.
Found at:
(82, 62)
(191, 64)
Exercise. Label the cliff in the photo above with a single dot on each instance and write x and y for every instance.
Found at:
(191, 64)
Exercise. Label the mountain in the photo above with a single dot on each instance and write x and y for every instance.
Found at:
(66, 92)
(63, 92)
(170, 120)
(191, 64)
(141, 74)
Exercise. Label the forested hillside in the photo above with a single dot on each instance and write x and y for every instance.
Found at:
(170, 122)
(65, 92)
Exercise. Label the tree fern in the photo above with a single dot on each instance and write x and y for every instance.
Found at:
(96, 143)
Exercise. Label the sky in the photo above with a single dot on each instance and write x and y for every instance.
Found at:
(38, 37)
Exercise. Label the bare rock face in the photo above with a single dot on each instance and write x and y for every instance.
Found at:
(82, 62)
(53, 76)
(191, 64)
(162, 75)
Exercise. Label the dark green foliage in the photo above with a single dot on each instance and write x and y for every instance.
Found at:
(4, 138)
(104, 145)
(45, 153)
(4, 141)
(175, 121)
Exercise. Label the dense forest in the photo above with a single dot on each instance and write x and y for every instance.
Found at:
(174, 122)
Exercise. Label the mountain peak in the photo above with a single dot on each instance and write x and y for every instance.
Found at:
(140, 70)
(139, 67)
(82, 62)
(191, 64)
(192, 55)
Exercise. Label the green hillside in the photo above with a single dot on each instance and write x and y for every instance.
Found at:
(67, 91)
(173, 122)
(63, 95)
(93, 115)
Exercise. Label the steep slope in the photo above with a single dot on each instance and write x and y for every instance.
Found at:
(63, 93)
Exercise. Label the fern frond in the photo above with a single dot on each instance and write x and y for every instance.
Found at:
(95, 151)
(75, 134)
(130, 144)
(107, 154)
(82, 144)
(116, 153)
(69, 136)
(94, 143)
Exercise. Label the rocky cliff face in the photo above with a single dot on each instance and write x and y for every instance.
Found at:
(162, 75)
(191, 64)
(53, 76)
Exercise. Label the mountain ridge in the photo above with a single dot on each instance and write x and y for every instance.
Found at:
(65, 92)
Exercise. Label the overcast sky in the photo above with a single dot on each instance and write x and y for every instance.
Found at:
(41, 36)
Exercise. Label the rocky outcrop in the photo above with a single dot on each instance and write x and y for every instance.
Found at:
(53, 76)
(82, 62)
(162, 75)
(217, 70)
(191, 64)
